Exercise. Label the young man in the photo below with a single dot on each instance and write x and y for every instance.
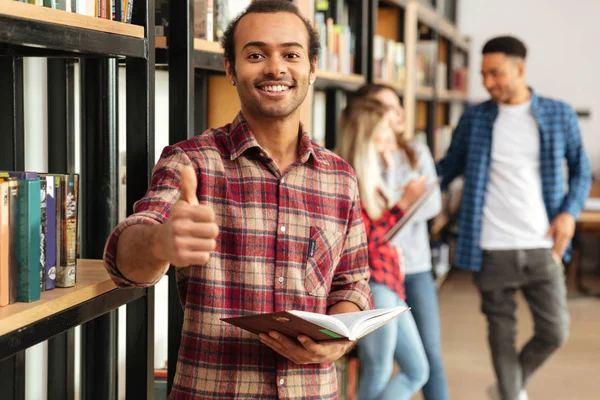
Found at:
(516, 218)
(259, 219)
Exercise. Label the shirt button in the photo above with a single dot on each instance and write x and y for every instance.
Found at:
(283, 229)
(282, 180)
(281, 279)
(281, 381)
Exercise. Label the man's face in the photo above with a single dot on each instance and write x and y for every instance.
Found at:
(501, 75)
(272, 66)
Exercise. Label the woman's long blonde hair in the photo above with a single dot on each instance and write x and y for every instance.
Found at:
(356, 144)
(371, 90)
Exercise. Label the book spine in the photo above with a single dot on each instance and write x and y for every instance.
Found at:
(59, 210)
(29, 241)
(50, 233)
(4, 246)
(65, 274)
(13, 227)
(129, 11)
(43, 188)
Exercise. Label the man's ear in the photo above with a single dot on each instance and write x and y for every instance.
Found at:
(521, 68)
(313, 70)
(230, 72)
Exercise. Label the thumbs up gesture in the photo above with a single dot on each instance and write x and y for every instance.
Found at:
(189, 235)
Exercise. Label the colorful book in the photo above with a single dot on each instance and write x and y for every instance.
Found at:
(43, 187)
(4, 245)
(13, 227)
(66, 270)
(51, 232)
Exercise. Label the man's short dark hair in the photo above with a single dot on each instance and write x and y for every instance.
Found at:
(268, 7)
(509, 45)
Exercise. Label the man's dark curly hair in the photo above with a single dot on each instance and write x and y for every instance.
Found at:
(268, 7)
(509, 45)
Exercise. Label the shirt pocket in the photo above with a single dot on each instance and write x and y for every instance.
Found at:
(324, 252)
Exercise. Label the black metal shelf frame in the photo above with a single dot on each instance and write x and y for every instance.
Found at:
(96, 53)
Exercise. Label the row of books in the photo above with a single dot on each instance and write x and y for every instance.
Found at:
(338, 45)
(116, 10)
(389, 59)
(38, 234)
(429, 72)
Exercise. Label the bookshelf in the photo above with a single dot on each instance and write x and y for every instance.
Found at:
(30, 30)
(200, 97)
(91, 46)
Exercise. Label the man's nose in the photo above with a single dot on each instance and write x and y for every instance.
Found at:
(275, 67)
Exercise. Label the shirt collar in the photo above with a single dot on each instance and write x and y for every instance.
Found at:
(241, 139)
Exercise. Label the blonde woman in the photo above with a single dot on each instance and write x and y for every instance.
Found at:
(409, 160)
(365, 141)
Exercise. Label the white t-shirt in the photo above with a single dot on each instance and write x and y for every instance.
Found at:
(514, 214)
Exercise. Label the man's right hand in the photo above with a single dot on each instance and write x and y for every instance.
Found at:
(412, 191)
(188, 237)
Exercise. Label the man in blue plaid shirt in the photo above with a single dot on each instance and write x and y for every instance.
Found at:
(518, 209)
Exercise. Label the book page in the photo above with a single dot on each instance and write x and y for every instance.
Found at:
(369, 325)
(356, 320)
(326, 321)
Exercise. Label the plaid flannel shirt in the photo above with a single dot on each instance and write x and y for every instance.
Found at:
(384, 258)
(261, 263)
(470, 154)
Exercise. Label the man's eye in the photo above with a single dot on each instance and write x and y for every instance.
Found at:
(255, 56)
(292, 55)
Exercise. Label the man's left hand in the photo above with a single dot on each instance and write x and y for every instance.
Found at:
(305, 350)
(562, 230)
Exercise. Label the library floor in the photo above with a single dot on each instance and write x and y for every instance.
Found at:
(573, 373)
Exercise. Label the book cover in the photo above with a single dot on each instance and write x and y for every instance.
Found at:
(50, 249)
(394, 230)
(4, 246)
(43, 187)
(66, 270)
(13, 228)
(28, 241)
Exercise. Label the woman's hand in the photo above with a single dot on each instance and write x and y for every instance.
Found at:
(412, 191)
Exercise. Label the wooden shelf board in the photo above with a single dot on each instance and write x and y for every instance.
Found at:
(427, 15)
(92, 281)
(30, 12)
(208, 46)
(450, 31)
(335, 76)
(452, 95)
(160, 42)
(424, 93)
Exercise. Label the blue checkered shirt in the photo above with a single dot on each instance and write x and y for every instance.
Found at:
(469, 155)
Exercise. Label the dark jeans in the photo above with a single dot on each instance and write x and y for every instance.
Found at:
(541, 279)
(421, 296)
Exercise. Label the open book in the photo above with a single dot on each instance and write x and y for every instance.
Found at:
(319, 327)
(412, 210)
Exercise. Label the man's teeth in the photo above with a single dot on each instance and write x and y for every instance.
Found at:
(278, 88)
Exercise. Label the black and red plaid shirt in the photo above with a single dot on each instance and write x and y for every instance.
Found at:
(291, 241)
(384, 260)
